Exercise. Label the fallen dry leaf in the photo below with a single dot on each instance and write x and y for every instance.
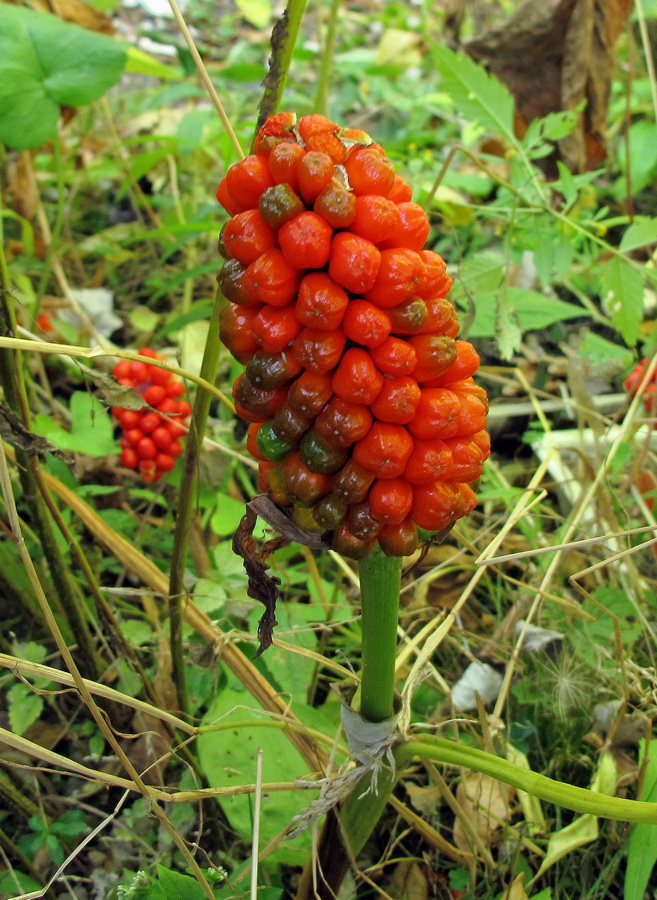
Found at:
(408, 882)
(486, 804)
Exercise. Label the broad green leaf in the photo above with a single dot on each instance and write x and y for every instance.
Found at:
(256, 12)
(598, 349)
(476, 94)
(229, 758)
(143, 63)
(479, 274)
(624, 297)
(642, 843)
(177, 886)
(227, 515)
(91, 429)
(639, 233)
(46, 63)
(25, 707)
(531, 309)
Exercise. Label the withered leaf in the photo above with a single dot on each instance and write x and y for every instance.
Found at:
(264, 587)
(552, 56)
(112, 393)
(15, 433)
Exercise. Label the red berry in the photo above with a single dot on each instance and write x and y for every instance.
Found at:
(376, 219)
(319, 351)
(343, 423)
(247, 179)
(366, 324)
(247, 236)
(413, 229)
(162, 437)
(321, 302)
(275, 327)
(354, 262)
(149, 422)
(129, 458)
(395, 356)
(391, 500)
(283, 163)
(400, 272)
(305, 241)
(397, 400)
(384, 450)
(154, 394)
(314, 172)
(270, 279)
(369, 171)
(146, 448)
(357, 379)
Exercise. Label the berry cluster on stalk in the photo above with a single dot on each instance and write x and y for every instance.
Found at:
(364, 414)
(151, 439)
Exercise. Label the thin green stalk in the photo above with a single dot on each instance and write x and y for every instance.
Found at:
(186, 504)
(57, 227)
(579, 799)
(321, 96)
(283, 41)
(380, 579)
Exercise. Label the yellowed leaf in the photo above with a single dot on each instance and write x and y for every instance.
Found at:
(583, 829)
(486, 806)
(517, 890)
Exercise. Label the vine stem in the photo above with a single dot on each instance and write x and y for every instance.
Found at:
(283, 40)
(380, 580)
(186, 504)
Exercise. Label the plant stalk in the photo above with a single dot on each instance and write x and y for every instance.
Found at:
(186, 504)
(380, 580)
(283, 40)
(321, 96)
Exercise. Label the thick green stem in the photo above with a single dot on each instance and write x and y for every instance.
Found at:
(186, 505)
(380, 579)
(283, 40)
(321, 96)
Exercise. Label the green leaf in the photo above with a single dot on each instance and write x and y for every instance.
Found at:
(229, 757)
(639, 233)
(598, 349)
(532, 310)
(176, 886)
(476, 94)
(46, 63)
(642, 843)
(509, 333)
(227, 516)
(91, 429)
(256, 12)
(624, 297)
(144, 64)
(25, 707)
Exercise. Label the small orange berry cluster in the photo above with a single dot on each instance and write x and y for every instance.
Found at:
(364, 414)
(151, 436)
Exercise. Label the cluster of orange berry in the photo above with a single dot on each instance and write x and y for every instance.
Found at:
(364, 414)
(151, 439)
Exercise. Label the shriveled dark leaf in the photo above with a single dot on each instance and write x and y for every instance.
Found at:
(273, 515)
(15, 433)
(264, 587)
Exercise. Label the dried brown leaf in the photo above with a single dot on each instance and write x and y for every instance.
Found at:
(15, 433)
(553, 56)
(485, 803)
